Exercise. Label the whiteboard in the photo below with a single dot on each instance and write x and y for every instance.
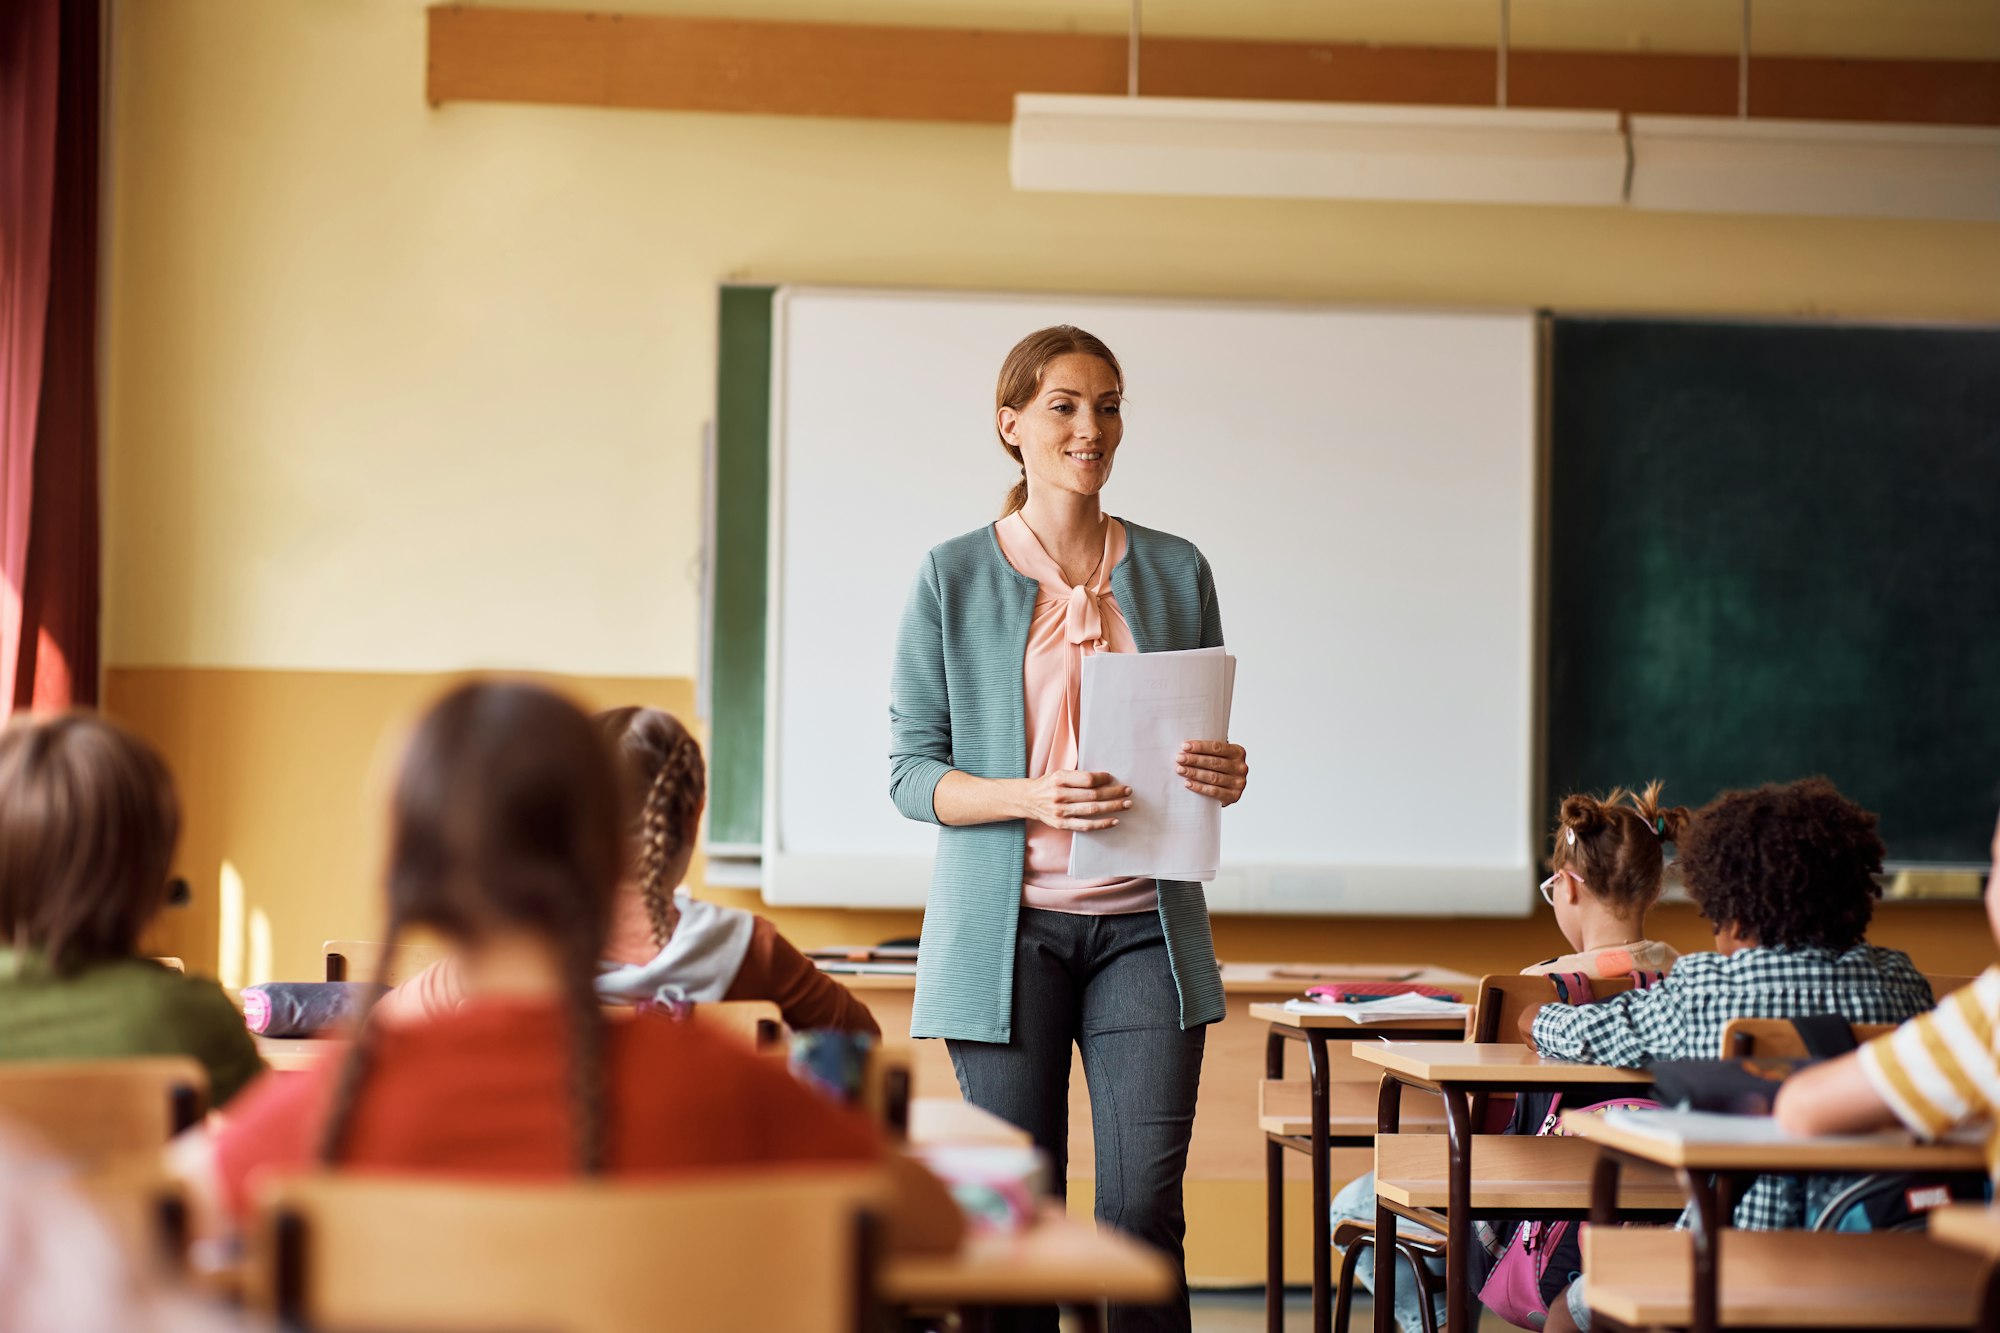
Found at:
(1363, 485)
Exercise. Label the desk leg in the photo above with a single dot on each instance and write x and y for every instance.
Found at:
(1322, 1170)
(1604, 1189)
(1458, 1252)
(1274, 1199)
(1989, 1304)
(1388, 1119)
(1090, 1317)
(1701, 1193)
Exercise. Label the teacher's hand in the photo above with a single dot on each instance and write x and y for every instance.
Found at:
(1079, 802)
(1214, 768)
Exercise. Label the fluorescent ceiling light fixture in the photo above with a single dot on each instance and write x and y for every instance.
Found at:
(1699, 164)
(1316, 150)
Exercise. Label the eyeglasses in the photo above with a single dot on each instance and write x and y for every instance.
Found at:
(1548, 887)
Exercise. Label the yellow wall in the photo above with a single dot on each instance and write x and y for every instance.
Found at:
(394, 391)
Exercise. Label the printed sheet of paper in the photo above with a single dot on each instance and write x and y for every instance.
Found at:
(1137, 710)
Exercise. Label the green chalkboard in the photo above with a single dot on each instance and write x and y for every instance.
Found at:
(736, 628)
(1774, 550)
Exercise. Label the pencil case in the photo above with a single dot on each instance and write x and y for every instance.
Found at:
(303, 1008)
(1346, 992)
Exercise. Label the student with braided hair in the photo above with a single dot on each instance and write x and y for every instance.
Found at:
(665, 944)
(508, 840)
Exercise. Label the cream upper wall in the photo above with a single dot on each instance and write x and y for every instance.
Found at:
(394, 388)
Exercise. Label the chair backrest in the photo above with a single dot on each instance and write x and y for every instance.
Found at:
(1944, 983)
(145, 1207)
(356, 960)
(756, 1022)
(764, 1249)
(101, 1112)
(1777, 1039)
(1502, 998)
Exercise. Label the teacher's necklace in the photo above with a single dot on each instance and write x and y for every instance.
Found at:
(1103, 528)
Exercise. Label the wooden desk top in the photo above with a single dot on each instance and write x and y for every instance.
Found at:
(940, 1121)
(1859, 1153)
(1281, 979)
(1275, 1012)
(1059, 1259)
(1644, 1276)
(1502, 1064)
(1968, 1226)
(292, 1054)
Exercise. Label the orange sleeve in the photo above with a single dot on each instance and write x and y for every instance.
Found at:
(775, 970)
(800, 1125)
(274, 1122)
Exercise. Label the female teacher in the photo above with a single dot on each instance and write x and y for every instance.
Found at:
(1020, 961)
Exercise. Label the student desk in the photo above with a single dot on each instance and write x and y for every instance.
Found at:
(1226, 1193)
(1976, 1230)
(294, 1054)
(1790, 1278)
(1311, 1128)
(1057, 1261)
(1415, 1176)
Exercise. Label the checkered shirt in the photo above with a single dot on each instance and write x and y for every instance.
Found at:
(1682, 1019)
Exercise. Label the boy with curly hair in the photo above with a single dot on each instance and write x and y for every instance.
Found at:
(1785, 875)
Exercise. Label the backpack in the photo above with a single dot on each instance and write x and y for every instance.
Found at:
(1880, 1200)
(1536, 1260)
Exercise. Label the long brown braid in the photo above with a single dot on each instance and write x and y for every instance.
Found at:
(507, 816)
(665, 782)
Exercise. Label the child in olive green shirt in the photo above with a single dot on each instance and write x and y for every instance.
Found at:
(88, 822)
(127, 1006)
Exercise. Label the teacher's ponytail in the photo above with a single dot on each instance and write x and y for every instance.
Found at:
(1021, 379)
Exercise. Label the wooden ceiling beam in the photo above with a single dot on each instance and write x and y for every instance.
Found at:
(668, 63)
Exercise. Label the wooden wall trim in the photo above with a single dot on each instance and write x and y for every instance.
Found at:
(670, 63)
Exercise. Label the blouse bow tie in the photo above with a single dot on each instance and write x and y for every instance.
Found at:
(1084, 621)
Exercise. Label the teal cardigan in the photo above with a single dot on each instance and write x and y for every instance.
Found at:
(956, 701)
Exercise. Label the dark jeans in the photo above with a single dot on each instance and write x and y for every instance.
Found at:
(1102, 983)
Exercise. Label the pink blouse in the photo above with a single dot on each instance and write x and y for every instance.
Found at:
(1069, 623)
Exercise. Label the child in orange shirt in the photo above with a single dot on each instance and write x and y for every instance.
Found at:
(508, 839)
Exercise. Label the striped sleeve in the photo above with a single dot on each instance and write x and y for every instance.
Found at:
(1942, 1068)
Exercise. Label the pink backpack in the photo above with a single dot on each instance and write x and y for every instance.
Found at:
(1537, 1259)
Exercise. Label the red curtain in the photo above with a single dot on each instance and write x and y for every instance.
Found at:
(49, 82)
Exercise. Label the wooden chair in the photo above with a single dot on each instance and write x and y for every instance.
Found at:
(1502, 998)
(1777, 1039)
(1643, 1277)
(356, 960)
(145, 1207)
(105, 1112)
(790, 1249)
(755, 1022)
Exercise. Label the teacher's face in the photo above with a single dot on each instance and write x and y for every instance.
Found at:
(1070, 431)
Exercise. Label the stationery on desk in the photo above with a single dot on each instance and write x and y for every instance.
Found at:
(1138, 709)
(895, 960)
(1409, 1005)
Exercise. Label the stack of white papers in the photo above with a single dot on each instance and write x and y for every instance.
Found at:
(1138, 709)
(1749, 1130)
(1389, 1006)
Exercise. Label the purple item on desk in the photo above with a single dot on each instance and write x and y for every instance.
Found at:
(303, 1008)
